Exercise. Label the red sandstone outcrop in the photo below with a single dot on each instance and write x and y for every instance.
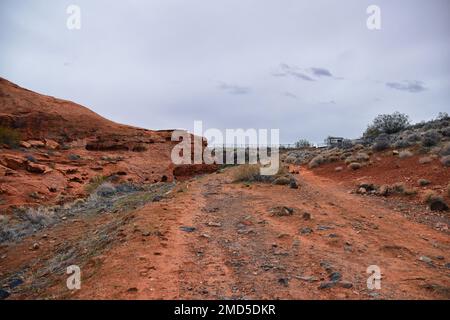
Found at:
(63, 146)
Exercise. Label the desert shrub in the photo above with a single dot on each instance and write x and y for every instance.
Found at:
(413, 137)
(446, 161)
(94, 183)
(428, 195)
(445, 151)
(106, 189)
(402, 144)
(361, 156)
(9, 136)
(333, 158)
(435, 201)
(398, 187)
(442, 116)
(350, 160)
(410, 191)
(355, 165)
(381, 143)
(423, 182)
(387, 123)
(303, 143)
(431, 138)
(405, 154)
(316, 161)
(446, 132)
(37, 216)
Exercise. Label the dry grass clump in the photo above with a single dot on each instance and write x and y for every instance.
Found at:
(423, 182)
(252, 172)
(435, 201)
(94, 183)
(398, 188)
(429, 195)
(246, 172)
(316, 161)
(405, 154)
(361, 157)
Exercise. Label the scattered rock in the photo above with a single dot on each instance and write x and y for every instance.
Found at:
(306, 230)
(12, 162)
(345, 284)
(187, 229)
(157, 199)
(282, 181)
(214, 224)
(4, 294)
(293, 184)
(323, 228)
(35, 246)
(335, 276)
(284, 281)
(426, 259)
(307, 278)
(37, 168)
(327, 285)
(51, 144)
(282, 211)
(333, 235)
(36, 143)
(306, 216)
(25, 144)
(361, 191)
(15, 283)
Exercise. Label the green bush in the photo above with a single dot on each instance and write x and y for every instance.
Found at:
(9, 136)
(387, 123)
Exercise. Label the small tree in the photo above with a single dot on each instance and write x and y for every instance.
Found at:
(442, 116)
(387, 123)
(302, 143)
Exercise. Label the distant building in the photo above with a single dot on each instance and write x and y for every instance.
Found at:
(334, 141)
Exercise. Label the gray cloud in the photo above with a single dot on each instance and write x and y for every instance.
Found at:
(234, 89)
(410, 86)
(307, 74)
(290, 95)
(293, 71)
(165, 67)
(321, 72)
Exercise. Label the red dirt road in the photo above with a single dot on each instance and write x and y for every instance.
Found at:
(239, 250)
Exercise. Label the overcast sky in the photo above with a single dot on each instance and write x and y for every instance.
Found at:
(309, 68)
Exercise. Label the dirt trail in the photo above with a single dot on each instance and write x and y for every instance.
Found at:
(214, 239)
